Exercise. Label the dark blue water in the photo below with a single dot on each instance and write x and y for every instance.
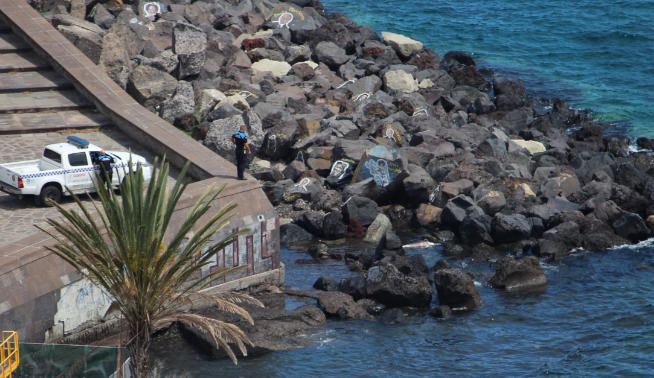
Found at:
(598, 54)
(595, 318)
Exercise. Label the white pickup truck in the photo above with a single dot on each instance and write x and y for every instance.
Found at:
(64, 168)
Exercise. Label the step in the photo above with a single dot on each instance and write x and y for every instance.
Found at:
(21, 123)
(22, 61)
(11, 43)
(26, 102)
(18, 81)
(4, 28)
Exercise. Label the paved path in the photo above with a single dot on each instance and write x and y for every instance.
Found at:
(18, 217)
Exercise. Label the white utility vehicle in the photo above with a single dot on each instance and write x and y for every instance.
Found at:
(64, 168)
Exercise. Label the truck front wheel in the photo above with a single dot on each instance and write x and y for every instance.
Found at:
(50, 194)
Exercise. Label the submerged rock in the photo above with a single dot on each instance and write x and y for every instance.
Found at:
(519, 275)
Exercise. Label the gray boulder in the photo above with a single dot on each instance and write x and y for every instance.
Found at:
(179, 109)
(279, 140)
(333, 226)
(510, 228)
(378, 229)
(85, 35)
(510, 93)
(518, 275)
(492, 202)
(102, 17)
(475, 228)
(150, 86)
(631, 226)
(219, 136)
(456, 289)
(361, 210)
(114, 59)
(369, 84)
(295, 236)
(418, 185)
(294, 169)
(354, 286)
(336, 304)
(309, 189)
(330, 54)
(190, 45)
(312, 221)
(456, 210)
(387, 285)
(351, 149)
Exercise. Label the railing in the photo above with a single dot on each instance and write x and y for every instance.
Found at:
(9, 354)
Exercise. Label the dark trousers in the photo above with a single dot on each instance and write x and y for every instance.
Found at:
(107, 177)
(241, 164)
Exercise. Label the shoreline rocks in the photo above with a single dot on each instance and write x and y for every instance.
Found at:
(366, 136)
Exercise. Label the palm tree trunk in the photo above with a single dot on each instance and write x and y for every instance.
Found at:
(138, 349)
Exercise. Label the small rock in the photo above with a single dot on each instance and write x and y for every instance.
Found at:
(518, 275)
(441, 312)
(428, 214)
(276, 68)
(325, 284)
(377, 229)
(400, 81)
(532, 146)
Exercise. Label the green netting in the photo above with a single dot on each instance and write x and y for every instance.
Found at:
(56, 360)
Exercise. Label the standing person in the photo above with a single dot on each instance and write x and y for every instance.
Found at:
(104, 161)
(241, 150)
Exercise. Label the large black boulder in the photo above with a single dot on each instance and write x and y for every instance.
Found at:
(510, 228)
(412, 265)
(355, 286)
(456, 289)
(631, 226)
(456, 210)
(360, 209)
(333, 226)
(476, 228)
(387, 285)
(295, 236)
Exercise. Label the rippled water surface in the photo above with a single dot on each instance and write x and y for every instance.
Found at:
(596, 53)
(595, 318)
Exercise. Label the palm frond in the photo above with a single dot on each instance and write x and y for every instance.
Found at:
(221, 335)
(124, 244)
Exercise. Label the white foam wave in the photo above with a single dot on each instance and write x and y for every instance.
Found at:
(643, 244)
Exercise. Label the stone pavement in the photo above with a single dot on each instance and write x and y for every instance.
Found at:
(18, 217)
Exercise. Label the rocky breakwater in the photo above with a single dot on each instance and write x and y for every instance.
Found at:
(363, 135)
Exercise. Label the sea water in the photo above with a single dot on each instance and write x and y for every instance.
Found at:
(596, 318)
(597, 54)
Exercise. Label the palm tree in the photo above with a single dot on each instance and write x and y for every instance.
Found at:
(124, 245)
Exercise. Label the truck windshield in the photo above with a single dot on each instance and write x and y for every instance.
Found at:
(49, 154)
